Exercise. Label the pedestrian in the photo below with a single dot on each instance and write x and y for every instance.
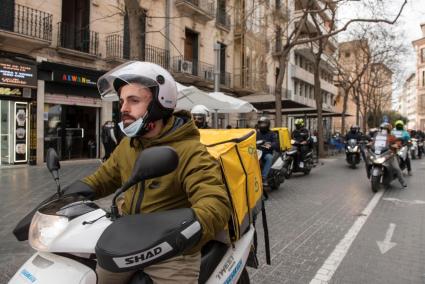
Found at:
(148, 96)
(109, 139)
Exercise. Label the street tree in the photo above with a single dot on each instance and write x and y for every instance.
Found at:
(295, 37)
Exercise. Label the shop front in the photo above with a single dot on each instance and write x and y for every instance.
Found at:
(18, 82)
(72, 112)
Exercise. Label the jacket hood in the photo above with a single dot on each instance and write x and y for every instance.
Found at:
(179, 127)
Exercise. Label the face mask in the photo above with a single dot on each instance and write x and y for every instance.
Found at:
(133, 129)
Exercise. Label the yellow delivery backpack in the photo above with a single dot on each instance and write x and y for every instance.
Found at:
(235, 150)
(284, 137)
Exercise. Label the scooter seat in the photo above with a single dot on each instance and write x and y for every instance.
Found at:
(136, 241)
(212, 254)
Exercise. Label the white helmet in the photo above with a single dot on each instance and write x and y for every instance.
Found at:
(200, 109)
(160, 82)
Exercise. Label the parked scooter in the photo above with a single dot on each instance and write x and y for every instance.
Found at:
(352, 152)
(298, 159)
(72, 235)
(379, 166)
(276, 174)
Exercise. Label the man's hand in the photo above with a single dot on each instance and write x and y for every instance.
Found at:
(267, 145)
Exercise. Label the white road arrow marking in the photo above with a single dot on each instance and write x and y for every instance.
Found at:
(386, 244)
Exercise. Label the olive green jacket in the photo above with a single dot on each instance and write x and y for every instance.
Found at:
(196, 183)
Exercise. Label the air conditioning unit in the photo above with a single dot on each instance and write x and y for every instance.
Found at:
(185, 66)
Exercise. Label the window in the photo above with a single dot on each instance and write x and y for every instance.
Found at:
(423, 78)
(423, 55)
(347, 54)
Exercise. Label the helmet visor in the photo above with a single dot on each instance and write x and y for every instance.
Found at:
(127, 73)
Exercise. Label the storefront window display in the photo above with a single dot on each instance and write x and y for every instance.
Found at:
(70, 130)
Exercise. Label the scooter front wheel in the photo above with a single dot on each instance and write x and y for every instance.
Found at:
(375, 182)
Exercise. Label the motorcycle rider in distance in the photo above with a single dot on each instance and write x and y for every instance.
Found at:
(404, 137)
(271, 144)
(385, 128)
(302, 136)
(200, 114)
(148, 96)
(354, 133)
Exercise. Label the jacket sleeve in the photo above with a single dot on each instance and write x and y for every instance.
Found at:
(200, 176)
(107, 178)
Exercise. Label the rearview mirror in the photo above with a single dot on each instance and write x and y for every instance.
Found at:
(52, 161)
(153, 162)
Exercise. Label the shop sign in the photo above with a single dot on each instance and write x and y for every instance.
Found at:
(75, 79)
(18, 74)
(21, 132)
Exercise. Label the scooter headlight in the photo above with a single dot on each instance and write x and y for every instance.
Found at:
(380, 160)
(44, 229)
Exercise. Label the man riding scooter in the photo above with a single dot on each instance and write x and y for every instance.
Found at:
(403, 136)
(200, 116)
(270, 144)
(301, 135)
(352, 149)
(148, 96)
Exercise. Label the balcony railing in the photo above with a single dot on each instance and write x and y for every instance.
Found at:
(226, 79)
(115, 47)
(223, 19)
(27, 21)
(83, 40)
(203, 8)
(115, 50)
(157, 55)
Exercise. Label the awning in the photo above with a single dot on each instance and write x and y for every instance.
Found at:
(189, 96)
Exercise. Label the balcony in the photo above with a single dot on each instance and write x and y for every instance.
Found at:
(77, 42)
(202, 10)
(197, 72)
(115, 52)
(226, 79)
(248, 83)
(25, 29)
(222, 20)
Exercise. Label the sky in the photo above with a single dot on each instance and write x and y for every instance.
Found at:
(408, 26)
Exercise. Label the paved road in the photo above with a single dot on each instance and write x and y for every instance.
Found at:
(307, 217)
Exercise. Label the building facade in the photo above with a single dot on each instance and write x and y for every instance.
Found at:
(298, 84)
(407, 101)
(419, 46)
(53, 52)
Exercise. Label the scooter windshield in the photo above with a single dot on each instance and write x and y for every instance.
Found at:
(380, 143)
(70, 206)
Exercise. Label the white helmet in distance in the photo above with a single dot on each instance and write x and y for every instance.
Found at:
(160, 82)
(200, 109)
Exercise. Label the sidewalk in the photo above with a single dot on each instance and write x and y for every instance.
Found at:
(21, 189)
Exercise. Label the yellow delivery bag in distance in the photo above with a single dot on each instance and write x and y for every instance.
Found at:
(236, 151)
(284, 137)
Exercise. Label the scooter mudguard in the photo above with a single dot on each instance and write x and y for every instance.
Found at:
(376, 171)
(48, 268)
(233, 262)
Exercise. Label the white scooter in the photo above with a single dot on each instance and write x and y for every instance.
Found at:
(72, 235)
